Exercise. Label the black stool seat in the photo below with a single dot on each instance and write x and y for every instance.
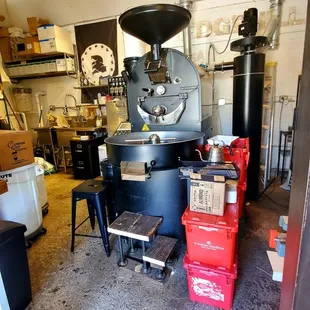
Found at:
(94, 192)
(91, 187)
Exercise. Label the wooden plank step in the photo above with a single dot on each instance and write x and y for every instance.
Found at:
(160, 250)
(136, 226)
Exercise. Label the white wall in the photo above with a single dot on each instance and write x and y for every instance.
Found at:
(66, 12)
(4, 12)
(206, 13)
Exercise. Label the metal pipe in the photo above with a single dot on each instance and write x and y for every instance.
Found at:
(272, 31)
(187, 35)
(155, 51)
(224, 66)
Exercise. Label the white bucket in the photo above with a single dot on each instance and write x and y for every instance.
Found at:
(21, 202)
(41, 186)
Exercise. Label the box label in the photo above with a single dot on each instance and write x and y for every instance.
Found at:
(209, 246)
(206, 288)
(207, 197)
(16, 148)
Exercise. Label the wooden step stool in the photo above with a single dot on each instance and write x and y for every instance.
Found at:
(158, 254)
(135, 226)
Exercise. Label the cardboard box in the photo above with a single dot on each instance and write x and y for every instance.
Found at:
(65, 64)
(30, 49)
(56, 45)
(207, 194)
(6, 56)
(5, 45)
(16, 149)
(4, 32)
(30, 40)
(15, 43)
(35, 22)
(54, 32)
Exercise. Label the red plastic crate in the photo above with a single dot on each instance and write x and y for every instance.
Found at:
(210, 285)
(211, 239)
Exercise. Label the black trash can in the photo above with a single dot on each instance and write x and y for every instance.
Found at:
(14, 265)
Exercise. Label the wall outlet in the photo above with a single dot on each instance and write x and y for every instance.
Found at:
(283, 98)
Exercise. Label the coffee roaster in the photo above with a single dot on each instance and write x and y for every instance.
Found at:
(164, 109)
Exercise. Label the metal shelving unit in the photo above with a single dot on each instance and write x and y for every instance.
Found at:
(91, 86)
(268, 122)
(40, 59)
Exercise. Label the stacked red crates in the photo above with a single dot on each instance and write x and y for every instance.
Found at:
(211, 259)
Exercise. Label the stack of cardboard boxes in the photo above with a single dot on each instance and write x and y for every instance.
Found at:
(55, 39)
(43, 38)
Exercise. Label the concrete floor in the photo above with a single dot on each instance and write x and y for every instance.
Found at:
(88, 280)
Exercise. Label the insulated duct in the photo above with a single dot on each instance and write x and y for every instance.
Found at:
(187, 35)
(272, 31)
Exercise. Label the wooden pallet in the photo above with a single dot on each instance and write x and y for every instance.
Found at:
(160, 250)
(136, 226)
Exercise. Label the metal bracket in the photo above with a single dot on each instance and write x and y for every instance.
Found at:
(183, 96)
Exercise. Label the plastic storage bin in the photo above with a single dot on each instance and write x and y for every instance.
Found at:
(21, 202)
(280, 247)
(211, 239)
(15, 288)
(210, 285)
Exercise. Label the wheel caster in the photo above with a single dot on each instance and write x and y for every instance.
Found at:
(146, 270)
(28, 244)
(45, 212)
(43, 231)
(122, 264)
(160, 275)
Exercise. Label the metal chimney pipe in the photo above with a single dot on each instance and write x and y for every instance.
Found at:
(272, 31)
(187, 35)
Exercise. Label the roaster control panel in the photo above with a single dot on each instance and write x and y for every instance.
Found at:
(117, 86)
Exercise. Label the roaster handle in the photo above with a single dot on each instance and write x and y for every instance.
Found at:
(152, 164)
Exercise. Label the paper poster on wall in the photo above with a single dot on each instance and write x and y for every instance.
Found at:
(97, 50)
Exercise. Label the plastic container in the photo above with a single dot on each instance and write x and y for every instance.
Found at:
(231, 191)
(210, 285)
(273, 234)
(283, 222)
(41, 186)
(222, 140)
(211, 239)
(280, 247)
(21, 202)
(15, 286)
(240, 157)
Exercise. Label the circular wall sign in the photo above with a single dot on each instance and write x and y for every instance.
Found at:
(97, 61)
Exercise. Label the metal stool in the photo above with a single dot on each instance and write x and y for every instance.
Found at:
(94, 192)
